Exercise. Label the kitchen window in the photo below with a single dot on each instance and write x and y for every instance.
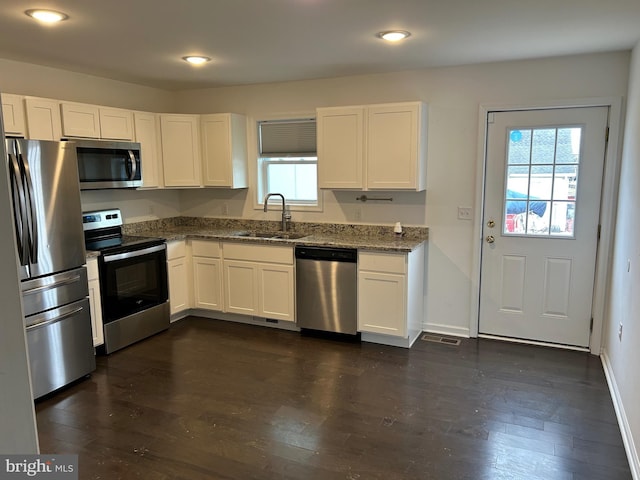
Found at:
(287, 161)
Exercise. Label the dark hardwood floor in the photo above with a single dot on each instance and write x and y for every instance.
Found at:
(216, 400)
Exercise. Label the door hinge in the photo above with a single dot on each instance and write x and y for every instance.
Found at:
(606, 135)
(591, 325)
(599, 231)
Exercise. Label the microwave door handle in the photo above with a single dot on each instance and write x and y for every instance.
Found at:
(32, 221)
(134, 166)
(19, 206)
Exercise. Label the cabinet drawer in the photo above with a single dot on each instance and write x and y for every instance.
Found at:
(176, 249)
(92, 268)
(205, 248)
(382, 262)
(258, 253)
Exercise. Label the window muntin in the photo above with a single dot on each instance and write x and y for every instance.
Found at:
(541, 181)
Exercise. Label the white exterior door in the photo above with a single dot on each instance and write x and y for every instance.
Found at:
(543, 178)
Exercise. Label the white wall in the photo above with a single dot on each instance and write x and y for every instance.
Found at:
(454, 96)
(39, 81)
(621, 355)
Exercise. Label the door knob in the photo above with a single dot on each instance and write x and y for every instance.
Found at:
(490, 239)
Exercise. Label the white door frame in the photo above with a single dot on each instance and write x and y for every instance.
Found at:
(607, 208)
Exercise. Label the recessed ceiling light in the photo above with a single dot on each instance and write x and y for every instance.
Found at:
(196, 59)
(47, 16)
(393, 35)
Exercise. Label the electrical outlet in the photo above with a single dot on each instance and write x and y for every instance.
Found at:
(225, 209)
(357, 214)
(620, 331)
(464, 213)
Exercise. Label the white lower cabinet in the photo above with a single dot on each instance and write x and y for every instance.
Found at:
(241, 287)
(95, 303)
(391, 296)
(276, 287)
(259, 280)
(207, 274)
(179, 278)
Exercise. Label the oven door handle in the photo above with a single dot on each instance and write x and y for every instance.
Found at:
(135, 253)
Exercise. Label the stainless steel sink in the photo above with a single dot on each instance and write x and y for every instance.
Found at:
(281, 235)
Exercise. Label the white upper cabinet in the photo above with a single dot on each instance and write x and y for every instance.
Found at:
(340, 147)
(80, 120)
(396, 146)
(181, 150)
(90, 121)
(373, 147)
(43, 118)
(116, 124)
(13, 115)
(224, 150)
(147, 130)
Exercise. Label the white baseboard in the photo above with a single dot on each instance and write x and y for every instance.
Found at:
(623, 421)
(446, 330)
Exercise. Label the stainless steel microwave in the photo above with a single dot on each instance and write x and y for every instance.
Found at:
(105, 164)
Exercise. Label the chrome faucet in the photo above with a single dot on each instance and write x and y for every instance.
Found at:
(286, 216)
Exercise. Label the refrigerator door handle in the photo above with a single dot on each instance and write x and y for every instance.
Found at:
(52, 316)
(134, 165)
(31, 211)
(19, 203)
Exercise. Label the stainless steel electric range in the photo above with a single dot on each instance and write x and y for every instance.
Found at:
(133, 280)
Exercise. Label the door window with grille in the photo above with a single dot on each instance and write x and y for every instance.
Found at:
(541, 181)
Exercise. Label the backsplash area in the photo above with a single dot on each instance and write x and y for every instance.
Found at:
(265, 225)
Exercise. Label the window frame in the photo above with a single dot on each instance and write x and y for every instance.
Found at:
(257, 166)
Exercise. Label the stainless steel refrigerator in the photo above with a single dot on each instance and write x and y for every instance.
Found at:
(47, 214)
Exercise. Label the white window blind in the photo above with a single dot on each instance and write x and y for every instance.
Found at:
(288, 138)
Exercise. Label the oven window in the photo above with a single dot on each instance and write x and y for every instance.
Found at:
(134, 284)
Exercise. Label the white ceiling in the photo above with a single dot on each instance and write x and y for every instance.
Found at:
(257, 41)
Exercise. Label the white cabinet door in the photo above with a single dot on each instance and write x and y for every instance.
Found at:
(95, 301)
(276, 287)
(80, 120)
(116, 124)
(396, 146)
(224, 150)
(241, 292)
(181, 150)
(95, 305)
(207, 284)
(382, 303)
(147, 129)
(13, 115)
(43, 118)
(178, 273)
(340, 135)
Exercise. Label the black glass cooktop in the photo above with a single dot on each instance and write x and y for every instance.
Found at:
(121, 243)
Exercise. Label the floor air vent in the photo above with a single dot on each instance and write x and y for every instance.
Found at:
(429, 337)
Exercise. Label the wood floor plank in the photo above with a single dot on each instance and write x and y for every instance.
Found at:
(211, 399)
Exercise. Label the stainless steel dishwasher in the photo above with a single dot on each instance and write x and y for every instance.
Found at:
(326, 281)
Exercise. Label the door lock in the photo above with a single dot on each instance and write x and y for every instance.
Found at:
(491, 224)
(490, 239)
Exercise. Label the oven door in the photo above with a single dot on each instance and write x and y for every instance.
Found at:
(133, 281)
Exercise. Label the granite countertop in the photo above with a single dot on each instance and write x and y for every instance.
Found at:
(376, 238)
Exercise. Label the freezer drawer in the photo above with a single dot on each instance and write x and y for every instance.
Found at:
(44, 293)
(60, 346)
